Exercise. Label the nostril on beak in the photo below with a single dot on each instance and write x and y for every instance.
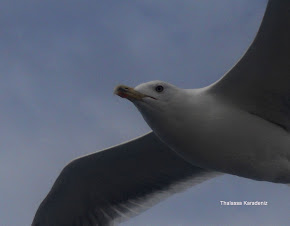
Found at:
(122, 89)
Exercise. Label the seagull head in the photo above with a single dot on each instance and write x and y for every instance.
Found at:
(151, 93)
(156, 100)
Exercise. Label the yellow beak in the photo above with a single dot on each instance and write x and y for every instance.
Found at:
(129, 93)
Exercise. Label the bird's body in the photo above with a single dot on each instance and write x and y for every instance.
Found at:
(239, 125)
(215, 135)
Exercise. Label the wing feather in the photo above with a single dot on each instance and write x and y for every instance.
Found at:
(260, 82)
(116, 184)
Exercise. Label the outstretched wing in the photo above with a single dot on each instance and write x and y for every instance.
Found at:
(117, 183)
(260, 81)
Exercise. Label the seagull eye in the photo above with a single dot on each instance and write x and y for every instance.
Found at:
(159, 89)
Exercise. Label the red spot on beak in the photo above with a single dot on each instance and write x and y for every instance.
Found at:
(123, 95)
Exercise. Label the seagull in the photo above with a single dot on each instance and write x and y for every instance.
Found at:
(238, 125)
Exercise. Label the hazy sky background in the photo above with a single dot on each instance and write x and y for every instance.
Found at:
(59, 64)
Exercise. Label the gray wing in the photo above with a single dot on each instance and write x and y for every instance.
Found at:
(260, 81)
(117, 183)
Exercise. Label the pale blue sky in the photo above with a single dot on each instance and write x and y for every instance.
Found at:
(59, 64)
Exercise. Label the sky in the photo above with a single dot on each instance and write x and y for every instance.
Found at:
(59, 64)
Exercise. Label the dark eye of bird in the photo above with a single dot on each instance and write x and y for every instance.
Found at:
(159, 89)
